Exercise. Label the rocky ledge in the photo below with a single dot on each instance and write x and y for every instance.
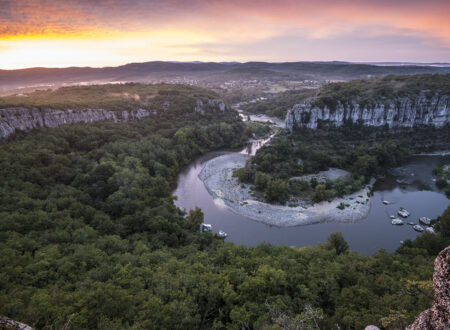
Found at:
(438, 316)
(217, 176)
(23, 119)
(6, 323)
(401, 112)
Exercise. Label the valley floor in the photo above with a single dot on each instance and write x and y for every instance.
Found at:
(217, 176)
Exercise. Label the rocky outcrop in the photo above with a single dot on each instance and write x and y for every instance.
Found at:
(201, 107)
(20, 118)
(401, 112)
(6, 323)
(438, 316)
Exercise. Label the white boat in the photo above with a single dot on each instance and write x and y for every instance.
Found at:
(397, 222)
(386, 203)
(418, 228)
(403, 213)
(430, 230)
(222, 234)
(205, 227)
(392, 216)
(425, 220)
(411, 223)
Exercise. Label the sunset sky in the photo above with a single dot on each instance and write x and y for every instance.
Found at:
(56, 33)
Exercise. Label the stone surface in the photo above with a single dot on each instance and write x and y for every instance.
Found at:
(20, 118)
(402, 112)
(438, 316)
(23, 119)
(6, 323)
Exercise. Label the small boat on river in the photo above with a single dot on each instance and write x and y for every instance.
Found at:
(397, 222)
(418, 228)
(403, 213)
(205, 227)
(425, 220)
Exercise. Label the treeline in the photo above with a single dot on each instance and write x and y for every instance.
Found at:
(90, 238)
(442, 174)
(382, 89)
(129, 96)
(365, 152)
(278, 105)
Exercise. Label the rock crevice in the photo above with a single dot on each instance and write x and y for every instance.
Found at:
(401, 112)
(438, 316)
(21, 118)
(27, 118)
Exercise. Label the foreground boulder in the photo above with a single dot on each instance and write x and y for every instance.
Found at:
(6, 323)
(438, 316)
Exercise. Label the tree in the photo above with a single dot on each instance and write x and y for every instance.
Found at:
(337, 242)
(277, 190)
(320, 193)
(194, 219)
(261, 180)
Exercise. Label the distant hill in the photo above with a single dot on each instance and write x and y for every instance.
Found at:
(158, 71)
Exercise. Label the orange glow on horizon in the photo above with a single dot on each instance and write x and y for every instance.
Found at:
(76, 33)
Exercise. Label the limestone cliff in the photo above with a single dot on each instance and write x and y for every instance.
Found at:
(8, 324)
(400, 112)
(21, 118)
(438, 316)
(24, 118)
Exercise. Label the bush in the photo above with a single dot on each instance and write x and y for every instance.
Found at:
(277, 191)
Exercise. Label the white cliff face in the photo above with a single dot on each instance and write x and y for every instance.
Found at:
(20, 118)
(403, 112)
(201, 107)
(23, 119)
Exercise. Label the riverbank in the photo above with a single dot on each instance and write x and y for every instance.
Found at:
(437, 153)
(217, 176)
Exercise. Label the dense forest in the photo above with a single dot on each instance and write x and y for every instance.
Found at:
(443, 178)
(278, 105)
(382, 89)
(364, 152)
(90, 238)
(178, 99)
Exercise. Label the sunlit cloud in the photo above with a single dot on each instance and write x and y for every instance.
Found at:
(111, 32)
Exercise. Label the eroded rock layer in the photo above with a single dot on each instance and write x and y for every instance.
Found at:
(20, 118)
(402, 112)
(438, 316)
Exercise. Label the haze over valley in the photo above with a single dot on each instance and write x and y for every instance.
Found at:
(224, 164)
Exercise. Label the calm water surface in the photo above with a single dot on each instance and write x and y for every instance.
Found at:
(410, 186)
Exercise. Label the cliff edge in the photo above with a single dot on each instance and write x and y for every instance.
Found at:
(8, 324)
(438, 316)
(399, 112)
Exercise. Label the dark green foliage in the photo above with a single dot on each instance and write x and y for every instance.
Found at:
(278, 105)
(365, 152)
(337, 242)
(443, 178)
(433, 243)
(276, 191)
(376, 90)
(194, 219)
(255, 129)
(90, 238)
(177, 99)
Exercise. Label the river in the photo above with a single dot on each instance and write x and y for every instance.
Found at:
(411, 186)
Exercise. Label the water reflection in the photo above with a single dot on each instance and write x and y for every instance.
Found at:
(253, 147)
(410, 186)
